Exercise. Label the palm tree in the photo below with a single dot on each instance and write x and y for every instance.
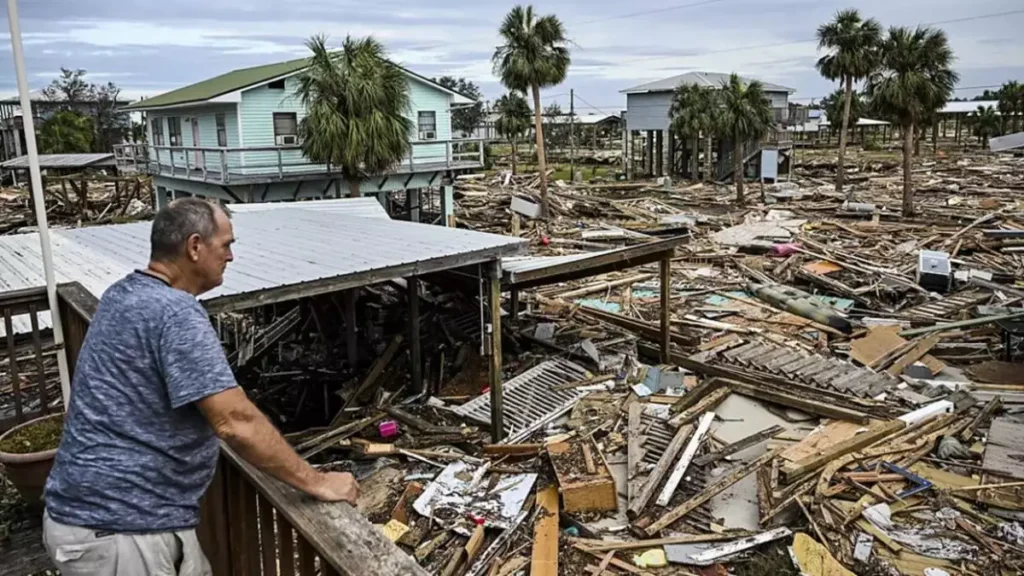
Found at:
(835, 107)
(66, 132)
(986, 124)
(745, 114)
(534, 55)
(694, 112)
(357, 104)
(1011, 103)
(914, 82)
(852, 45)
(513, 121)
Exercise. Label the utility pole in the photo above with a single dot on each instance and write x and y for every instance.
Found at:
(36, 181)
(572, 135)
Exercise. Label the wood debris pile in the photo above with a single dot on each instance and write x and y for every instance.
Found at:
(106, 199)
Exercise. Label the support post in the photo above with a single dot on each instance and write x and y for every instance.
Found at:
(660, 162)
(935, 137)
(412, 204)
(572, 135)
(649, 167)
(514, 304)
(448, 204)
(494, 332)
(666, 306)
(957, 129)
(415, 364)
(351, 329)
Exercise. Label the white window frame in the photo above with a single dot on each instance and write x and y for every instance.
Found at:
(422, 132)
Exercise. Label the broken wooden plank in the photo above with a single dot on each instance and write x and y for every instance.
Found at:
(738, 446)
(375, 371)
(915, 354)
(544, 560)
(1004, 452)
(710, 492)
(684, 461)
(708, 402)
(637, 505)
(634, 450)
(805, 404)
(875, 432)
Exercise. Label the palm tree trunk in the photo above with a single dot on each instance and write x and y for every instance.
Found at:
(840, 169)
(542, 163)
(515, 153)
(737, 167)
(707, 158)
(908, 151)
(353, 187)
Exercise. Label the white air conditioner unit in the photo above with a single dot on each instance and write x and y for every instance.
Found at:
(428, 135)
(287, 140)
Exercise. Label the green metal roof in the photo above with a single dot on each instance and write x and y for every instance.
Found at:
(223, 84)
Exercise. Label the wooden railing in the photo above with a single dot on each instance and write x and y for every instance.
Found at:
(251, 524)
(268, 163)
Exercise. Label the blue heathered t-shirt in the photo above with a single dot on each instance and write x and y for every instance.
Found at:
(137, 454)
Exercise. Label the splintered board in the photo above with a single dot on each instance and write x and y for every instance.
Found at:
(1004, 453)
(583, 476)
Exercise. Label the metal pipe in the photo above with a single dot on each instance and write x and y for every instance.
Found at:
(28, 126)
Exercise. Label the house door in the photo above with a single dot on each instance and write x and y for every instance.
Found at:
(195, 142)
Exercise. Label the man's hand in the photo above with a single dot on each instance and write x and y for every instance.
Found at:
(338, 487)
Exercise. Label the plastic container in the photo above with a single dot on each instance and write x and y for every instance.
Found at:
(28, 472)
(388, 428)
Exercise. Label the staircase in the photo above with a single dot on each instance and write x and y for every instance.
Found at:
(776, 139)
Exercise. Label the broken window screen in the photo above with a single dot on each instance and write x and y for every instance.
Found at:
(222, 131)
(158, 131)
(427, 123)
(174, 130)
(285, 124)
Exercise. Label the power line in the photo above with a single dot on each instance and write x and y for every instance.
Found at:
(788, 42)
(646, 12)
(958, 89)
(589, 105)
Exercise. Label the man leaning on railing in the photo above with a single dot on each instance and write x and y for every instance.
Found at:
(152, 394)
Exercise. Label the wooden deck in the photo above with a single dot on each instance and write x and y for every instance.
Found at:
(223, 166)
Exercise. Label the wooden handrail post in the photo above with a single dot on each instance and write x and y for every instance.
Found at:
(172, 161)
(448, 153)
(280, 166)
(223, 165)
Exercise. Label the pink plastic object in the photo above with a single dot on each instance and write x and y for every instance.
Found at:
(388, 428)
(784, 249)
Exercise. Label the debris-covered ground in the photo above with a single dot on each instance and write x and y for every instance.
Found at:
(843, 395)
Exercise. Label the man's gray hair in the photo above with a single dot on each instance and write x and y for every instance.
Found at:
(179, 220)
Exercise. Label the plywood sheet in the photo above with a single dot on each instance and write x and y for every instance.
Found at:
(833, 433)
(822, 267)
(881, 341)
(1004, 453)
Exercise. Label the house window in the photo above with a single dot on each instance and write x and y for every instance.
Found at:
(427, 125)
(222, 131)
(276, 85)
(158, 131)
(174, 130)
(286, 129)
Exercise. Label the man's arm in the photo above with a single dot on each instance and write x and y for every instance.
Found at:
(241, 425)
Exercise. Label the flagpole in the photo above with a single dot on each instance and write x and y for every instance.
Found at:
(28, 126)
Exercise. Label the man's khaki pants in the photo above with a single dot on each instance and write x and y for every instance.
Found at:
(85, 552)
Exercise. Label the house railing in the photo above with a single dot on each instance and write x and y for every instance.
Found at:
(775, 138)
(224, 165)
(250, 524)
(29, 378)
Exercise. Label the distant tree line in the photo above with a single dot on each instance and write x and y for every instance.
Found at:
(80, 116)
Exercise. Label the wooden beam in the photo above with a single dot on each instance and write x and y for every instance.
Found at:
(684, 461)
(544, 561)
(375, 371)
(637, 505)
(706, 403)
(666, 307)
(710, 492)
(415, 361)
(915, 354)
(805, 404)
(494, 372)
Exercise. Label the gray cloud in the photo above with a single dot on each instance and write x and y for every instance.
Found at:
(150, 46)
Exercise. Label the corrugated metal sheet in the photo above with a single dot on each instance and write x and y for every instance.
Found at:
(274, 248)
(968, 106)
(704, 79)
(62, 161)
(518, 264)
(1008, 142)
(365, 207)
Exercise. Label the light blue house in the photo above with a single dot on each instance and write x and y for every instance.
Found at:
(234, 138)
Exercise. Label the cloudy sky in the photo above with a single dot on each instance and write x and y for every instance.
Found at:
(151, 46)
